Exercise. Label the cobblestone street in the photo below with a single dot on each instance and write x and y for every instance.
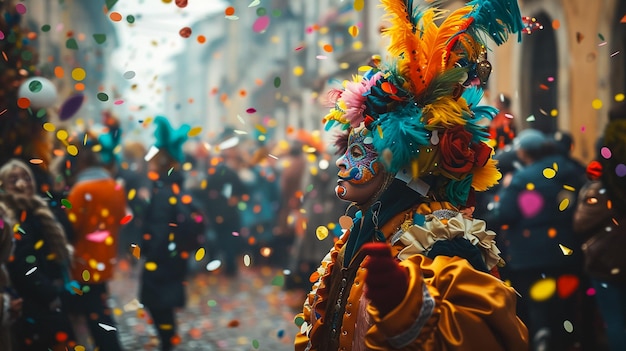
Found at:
(248, 312)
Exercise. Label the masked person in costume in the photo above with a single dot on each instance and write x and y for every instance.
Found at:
(413, 270)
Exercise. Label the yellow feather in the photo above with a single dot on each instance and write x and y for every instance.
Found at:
(487, 176)
(445, 112)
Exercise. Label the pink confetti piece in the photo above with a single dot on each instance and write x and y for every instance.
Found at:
(1, 35)
(605, 152)
(261, 24)
(602, 43)
(118, 102)
(508, 115)
(550, 79)
(99, 236)
(20, 8)
(299, 48)
(235, 234)
(251, 110)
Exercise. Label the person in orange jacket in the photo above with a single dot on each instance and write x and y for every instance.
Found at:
(413, 269)
(95, 207)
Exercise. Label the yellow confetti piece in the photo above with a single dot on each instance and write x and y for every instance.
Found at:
(619, 97)
(321, 232)
(165, 326)
(131, 194)
(72, 217)
(380, 131)
(195, 131)
(78, 74)
(549, 173)
(109, 241)
(543, 289)
(554, 112)
(260, 128)
(79, 348)
(104, 212)
(530, 186)
(359, 5)
(555, 166)
(570, 188)
(118, 311)
(150, 266)
(72, 150)
(364, 68)
(49, 127)
(354, 31)
(566, 250)
(62, 134)
(93, 263)
(136, 251)
(596, 104)
(203, 184)
(298, 71)
(86, 275)
(563, 205)
(331, 226)
(200, 254)
(172, 200)
(38, 244)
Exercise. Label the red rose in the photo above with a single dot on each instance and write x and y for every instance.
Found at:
(456, 154)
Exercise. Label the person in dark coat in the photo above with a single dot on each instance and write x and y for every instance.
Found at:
(534, 218)
(39, 269)
(162, 288)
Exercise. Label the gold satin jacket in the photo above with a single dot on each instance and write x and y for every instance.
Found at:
(448, 306)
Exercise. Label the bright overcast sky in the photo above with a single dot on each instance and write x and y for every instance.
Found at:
(147, 46)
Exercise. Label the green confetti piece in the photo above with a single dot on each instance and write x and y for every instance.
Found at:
(35, 86)
(170, 171)
(276, 82)
(85, 288)
(110, 4)
(49, 195)
(261, 11)
(31, 259)
(276, 13)
(100, 38)
(66, 203)
(278, 280)
(299, 321)
(211, 303)
(601, 36)
(103, 97)
(255, 343)
(130, 19)
(41, 113)
(309, 188)
(71, 44)
(45, 28)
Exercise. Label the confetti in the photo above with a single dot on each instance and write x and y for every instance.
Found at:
(30, 271)
(261, 24)
(254, 3)
(543, 289)
(20, 8)
(200, 254)
(106, 327)
(71, 106)
(620, 170)
(71, 44)
(354, 31)
(36, 161)
(530, 203)
(549, 173)
(181, 3)
(126, 219)
(321, 232)
(246, 260)
(564, 204)
(100, 38)
(255, 344)
(185, 32)
(229, 11)
(136, 251)
(66, 203)
(359, 5)
(566, 250)
(195, 131)
(213, 265)
(568, 326)
(605, 152)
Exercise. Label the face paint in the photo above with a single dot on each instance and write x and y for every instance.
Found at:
(360, 162)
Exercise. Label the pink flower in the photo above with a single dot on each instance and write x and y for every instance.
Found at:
(354, 97)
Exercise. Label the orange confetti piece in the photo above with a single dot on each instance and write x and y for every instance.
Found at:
(36, 161)
(229, 11)
(115, 16)
(556, 24)
(623, 20)
(59, 72)
(186, 199)
(328, 48)
(233, 323)
(201, 39)
(543, 87)
(136, 251)
(23, 102)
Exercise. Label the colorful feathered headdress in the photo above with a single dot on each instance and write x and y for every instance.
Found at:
(421, 104)
(170, 139)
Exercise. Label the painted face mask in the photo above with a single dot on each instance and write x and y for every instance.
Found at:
(360, 161)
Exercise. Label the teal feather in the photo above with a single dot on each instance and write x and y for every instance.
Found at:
(108, 143)
(170, 139)
(497, 19)
(473, 96)
(403, 135)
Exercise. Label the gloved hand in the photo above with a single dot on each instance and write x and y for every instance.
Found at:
(386, 282)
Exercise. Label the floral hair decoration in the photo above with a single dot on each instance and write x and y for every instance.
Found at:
(421, 105)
